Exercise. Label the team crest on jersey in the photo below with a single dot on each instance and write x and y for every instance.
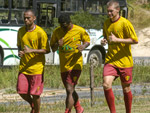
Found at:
(73, 39)
(127, 78)
(74, 78)
(117, 31)
(32, 41)
(38, 88)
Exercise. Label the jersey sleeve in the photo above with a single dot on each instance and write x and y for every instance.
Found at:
(45, 42)
(53, 39)
(85, 37)
(130, 32)
(18, 39)
(104, 30)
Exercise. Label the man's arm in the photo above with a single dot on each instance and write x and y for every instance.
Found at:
(20, 52)
(113, 38)
(29, 50)
(82, 47)
(54, 47)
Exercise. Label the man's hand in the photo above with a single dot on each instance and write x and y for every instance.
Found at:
(27, 49)
(55, 46)
(113, 38)
(21, 53)
(81, 47)
(103, 42)
(60, 42)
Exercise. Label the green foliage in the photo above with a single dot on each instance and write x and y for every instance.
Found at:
(85, 76)
(8, 77)
(49, 30)
(52, 78)
(141, 74)
(146, 6)
(83, 19)
(87, 20)
(139, 14)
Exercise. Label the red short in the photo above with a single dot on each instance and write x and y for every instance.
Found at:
(124, 73)
(30, 84)
(70, 77)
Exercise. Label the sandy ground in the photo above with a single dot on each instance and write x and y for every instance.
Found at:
(143, 46)
(5, 97)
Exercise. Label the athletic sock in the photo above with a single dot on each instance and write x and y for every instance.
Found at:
(78, 107)
(67, 110)
(128, 101)
(109, 95)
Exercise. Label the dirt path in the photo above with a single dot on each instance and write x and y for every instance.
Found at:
(55, 95)
(4, 97)
(143, 47)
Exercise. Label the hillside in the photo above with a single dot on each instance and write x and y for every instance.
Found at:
(143, 47)
(140, 18)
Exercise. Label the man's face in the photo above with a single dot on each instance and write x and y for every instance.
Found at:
(112, 12)
(29, 18)
(65, 26)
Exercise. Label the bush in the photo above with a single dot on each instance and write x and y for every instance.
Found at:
(87, 20)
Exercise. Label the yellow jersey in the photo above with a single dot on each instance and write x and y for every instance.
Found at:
(32, 63)
(119, 54)
(70, 57)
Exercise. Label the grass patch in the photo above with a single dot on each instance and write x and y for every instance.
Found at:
(8, 77)
(139, 14)
(52, 78)
(99, 107)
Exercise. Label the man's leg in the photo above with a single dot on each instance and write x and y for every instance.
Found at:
(107, 86)
(77, 105)
(69, 99)
(37, 102)
(127, 97)
(72, 99)
(29, 99)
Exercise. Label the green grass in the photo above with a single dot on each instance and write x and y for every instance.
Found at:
(141, 73)
(8, 77)
(139, 15)
(140, 105)
(52, 78)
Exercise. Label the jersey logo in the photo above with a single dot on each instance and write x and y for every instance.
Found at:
(74, 78)
(127, 77)
(73, 39)
(117, 31)
(32, 41)
(38, 88)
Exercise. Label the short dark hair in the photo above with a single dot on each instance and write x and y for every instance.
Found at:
(64, 18)
(30, 10)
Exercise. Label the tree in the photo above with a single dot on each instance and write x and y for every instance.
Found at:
(87, 20)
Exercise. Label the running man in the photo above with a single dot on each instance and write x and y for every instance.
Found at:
(32, 44)
(119, 34)
(71, 40)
